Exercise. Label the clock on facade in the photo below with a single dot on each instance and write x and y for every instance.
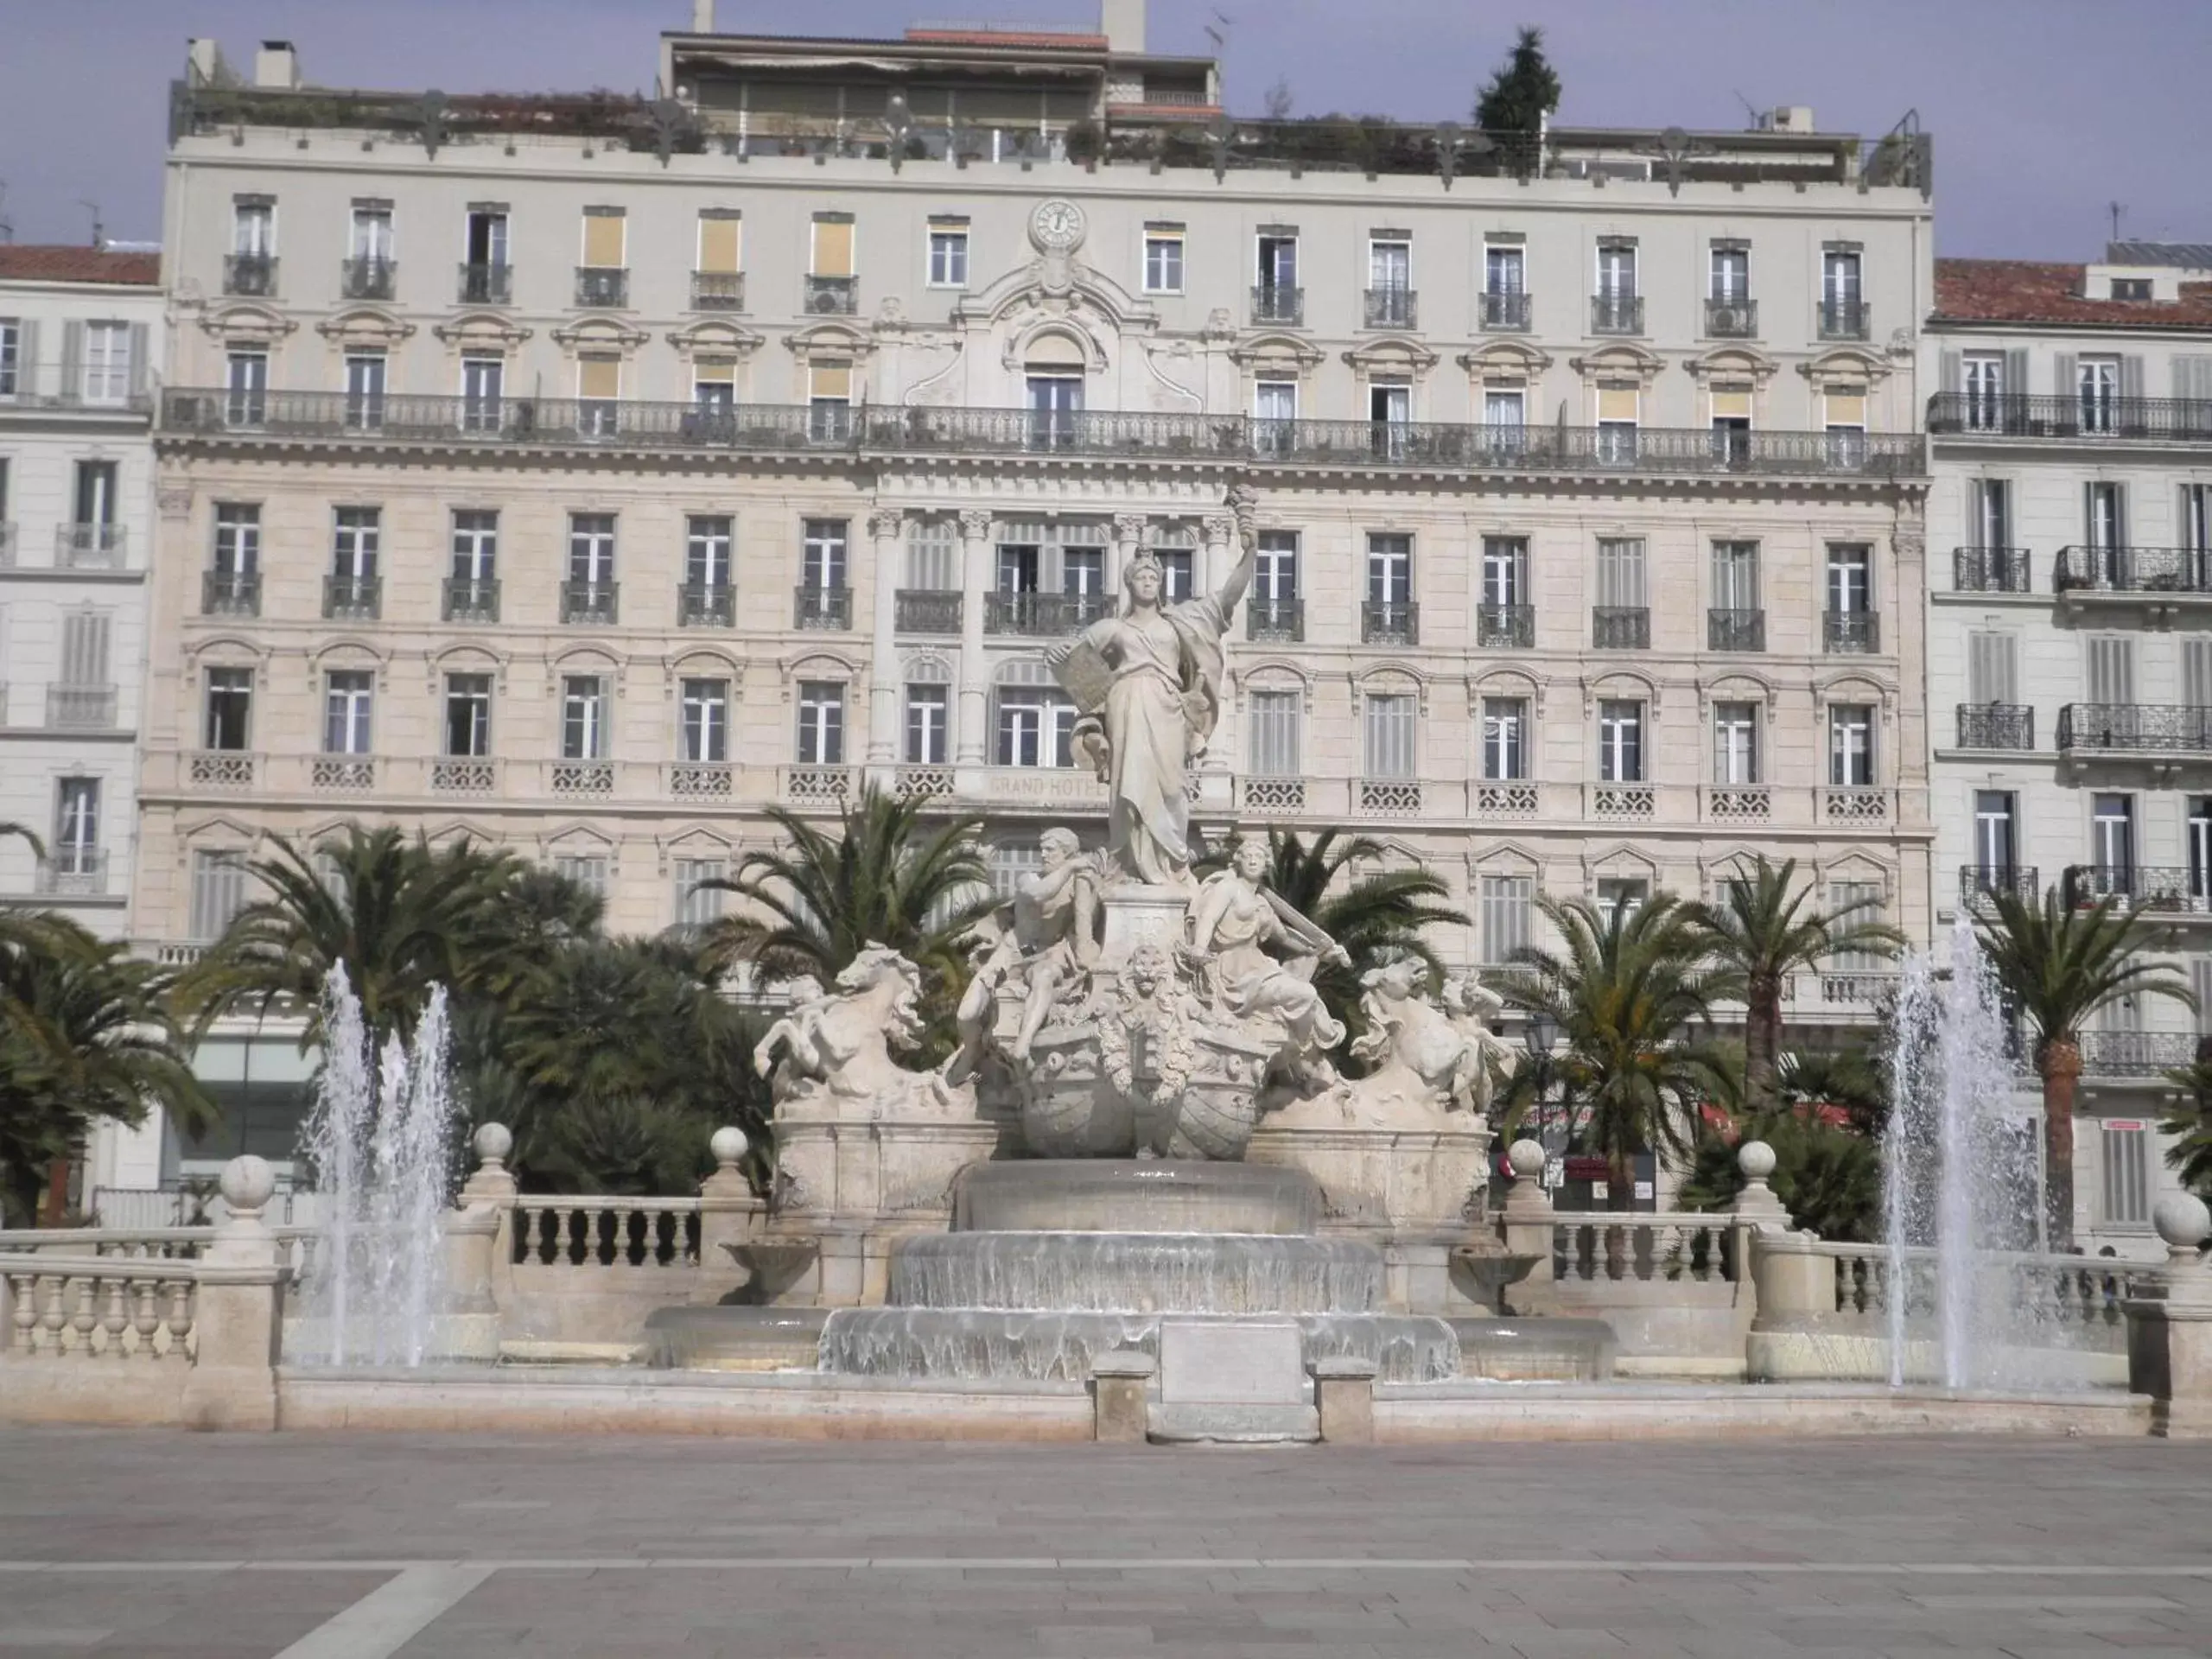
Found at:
(1056, 226)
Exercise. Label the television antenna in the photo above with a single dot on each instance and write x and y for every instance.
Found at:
(94, 207)
(2116, 208)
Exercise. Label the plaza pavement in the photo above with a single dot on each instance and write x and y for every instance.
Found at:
(328, 1546)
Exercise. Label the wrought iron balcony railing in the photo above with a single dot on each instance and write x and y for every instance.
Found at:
(864, 430)
(1997, 726)
(1505, 627)
(356, 599)
(1393, 308)
(250, 276)
(824, 608)
(1990, 569)
(1845, 319)
(1281, 620)
(832, 296)
(1848, 632)
(2137, 1053)
(1732, 319)
(88, 547)
(2135, 728)
(81, 707)
(1980, 883)
(1285, 307)
(230, 592)
(472, 599)
(1735, 630)
(485, 283)
(368, 279)
(1043, 616)
(2175, 890)
(604, 286)
(1616, 313)
(1620, 627)
(928, 610)
(1394, 624)
(718, 290)
(705, 604)
(590, 602)
(2133, 570)
(2023, 415)
(1506, 313)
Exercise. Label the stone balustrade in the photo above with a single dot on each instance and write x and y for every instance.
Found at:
(105, 1307)
(578, 1231)
(1590, 1246)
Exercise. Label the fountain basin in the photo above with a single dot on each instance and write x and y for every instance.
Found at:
(1103, 1195)
(1137, 1273)
(734, 1339)
(1536, 1349)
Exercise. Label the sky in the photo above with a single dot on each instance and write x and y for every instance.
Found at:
(2044, 111)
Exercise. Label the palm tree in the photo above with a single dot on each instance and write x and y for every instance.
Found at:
(1760, 934)
(1626, 989)
(2190, 1157)
(2057, 964)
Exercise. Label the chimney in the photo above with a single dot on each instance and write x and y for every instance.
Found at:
(1122, 21)
(702, 16)
(277, 64)
(1792, 117)
(203, 61)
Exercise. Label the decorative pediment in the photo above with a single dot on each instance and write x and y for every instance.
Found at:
(577, 840)
(1273, 674)
(246, 325)
(470, 659)
(1505, 858)
(227, 651)
(1738, 685)
(1391, 680)
(348, 652)
(365, 326)
(599, 334)
(925, 667)
(713, 337)
(695, 661)
(219, 828)
(1732, 363)
(1621, 862)
(1624, 361)
(1620, 682)
(1506, 360)
(818, 665)
(829, 342)
(698, 841)
(1391, 354)
(482, 331)
(1841, 367)
(1505, 681)
(1057, 342)
(1057, 286)
(585, 659)
(1280, 353)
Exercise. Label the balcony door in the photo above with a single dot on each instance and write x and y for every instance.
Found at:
(1278, 265)
(1996, 837)
(1389, 411)
(1055, 400)
(2199, 829)
(2111, 842)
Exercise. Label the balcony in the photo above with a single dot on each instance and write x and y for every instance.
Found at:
(230, 592)
(718, 290)
(1281, 307)
(927, 610)
(1739, 803)
(2137, 1053)
(1845, 319)
(1990, 569)
(1732, 319)
(352, 599)
(1618, 627)
(1505, 798)
(221, 769)
(822, 608)
(485, 284)
(469, 599)
(923, 780)
(343, 774)
(88, 547)
(832, 296)
(1505, 627)
(1397, 624)
(250, 276)
(1505, 313)
(456, 774)
(1615, 313)
(1996, 725)
(1043, 616)
(2176, 571)
(2134, 728)
(1848, 633)
(603, 286)
(701, 780)
(818, 785)
(1392, 308)
(2020, 414)
(81, 707)
(2165, 891)
(705, 604)
(1619, 803)
(1735, 630)
(368, 279)
(591, 604)
(1387, 797)
(1854, 803)
(288, 417)
(73, 872)
(1978, 884)
(1279, 620)
(581, 779)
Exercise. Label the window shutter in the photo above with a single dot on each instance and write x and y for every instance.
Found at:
(2089, 515)
(831, 380)
(1992, 668)
(1952, 371)
(84, 648)
(140, 345)
(833, 247)
(2192, 379)
(1731, 403)
(2131, 376)
(2112, 670)
(1977, 499)
(2196, 672)
(1617, 403)
(603, 229)
(718, 243)
(599, 377)
(26, 358)
(2015, 371)
(1846, 408)
(73, 362)
(2066, 377)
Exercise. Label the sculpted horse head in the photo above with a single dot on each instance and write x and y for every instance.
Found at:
(889, 988)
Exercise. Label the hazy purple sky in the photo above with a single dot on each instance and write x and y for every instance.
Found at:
(2043, 110)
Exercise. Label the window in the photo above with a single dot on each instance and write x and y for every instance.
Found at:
(2097, 379)
(1010, 861)
(1390, 409)
(1616, 270)
(347, 694)
(475, 546)
(1983, 383)
(237, 539)
(1619, 411)
(1844, 417)
(1868, 898)
(1274, 407)
(1389, 736)
(230, 709)
(1389, 264)
(1163, 259)
(591, 549)
(217, 893)
(1505, 571)
(1506, 738)
(587, 870)
(605, 230)
(1083, 571)
(2105, 512)
(583, 717)
(1851, 579)
(2126, 1147)
(2130, 288)
(1274, 569)
(713, 385)
(932, 556)
(2198, 829)
(1989, 508)
(2112, 838)
(95, 494)
(1505, 270)
(1736, 575)
(1620, 897)
(372, 238)
(1731, 274)
(599, 391)
(823, 555)
(833, 247)
(706, 550)
(253, 227)
(1842, 307)
(716, 285)
(1620, 742)
(830, 402)
(1055, 400)
(354, 534)
(1506, 414)
(1178, 570)
(1851, 746)
(1505, 906)
(86, 636)
(76, 849)
(483, 275)
(2197, 671)
(108, 362)
(246, 386)
(1035, 727)
(2111, 668)
(1996, 833)
(12, 354)
(1389, 571)
(468, 715)
(364, 372)
(1991, 667)
(706, 722)
(1276, 297)
(949, 254)
(1620, 574)
(821, 723)
(1277, 716)
(928, 725)
(483, 392)
(694, 907)
(1735, 743)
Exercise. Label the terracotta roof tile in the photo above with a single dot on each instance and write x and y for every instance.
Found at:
(2027, 290)
(47, 263)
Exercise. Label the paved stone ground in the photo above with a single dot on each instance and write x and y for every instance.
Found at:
(325, 1547)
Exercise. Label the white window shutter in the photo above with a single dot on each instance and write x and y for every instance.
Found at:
(2131, 376)
(1954, 371)
(141, 345)
(73, 362)
(26, 358)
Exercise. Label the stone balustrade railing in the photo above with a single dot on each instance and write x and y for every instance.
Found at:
(296, 1245)
(109, 1307)
(1588, 1246)
(579, 1231)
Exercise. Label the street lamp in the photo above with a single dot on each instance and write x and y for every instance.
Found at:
(1541, 1034)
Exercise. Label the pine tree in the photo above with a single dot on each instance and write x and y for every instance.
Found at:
(1512, 108)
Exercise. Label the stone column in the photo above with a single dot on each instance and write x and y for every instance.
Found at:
(729, 1214)
(1129, 537)
(238, 1316)
(975, 673)
(1214, 561)
(2170, 1329)
(885, 526)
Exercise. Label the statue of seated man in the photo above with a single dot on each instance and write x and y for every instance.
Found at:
(1049, 933)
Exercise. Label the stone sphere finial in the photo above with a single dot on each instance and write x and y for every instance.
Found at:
(2182, 1220)
(492, 1143)
(1756, 1159)
(1526, 1159)
(247, 1184)
(728, 1146)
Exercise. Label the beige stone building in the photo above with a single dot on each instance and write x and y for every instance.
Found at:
(592, 477)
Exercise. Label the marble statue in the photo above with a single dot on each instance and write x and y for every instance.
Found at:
(1233, 919)
(1422, 1062)
(837, 1048)
(1046, 940)
(1473, 1008)
(1148, 685)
